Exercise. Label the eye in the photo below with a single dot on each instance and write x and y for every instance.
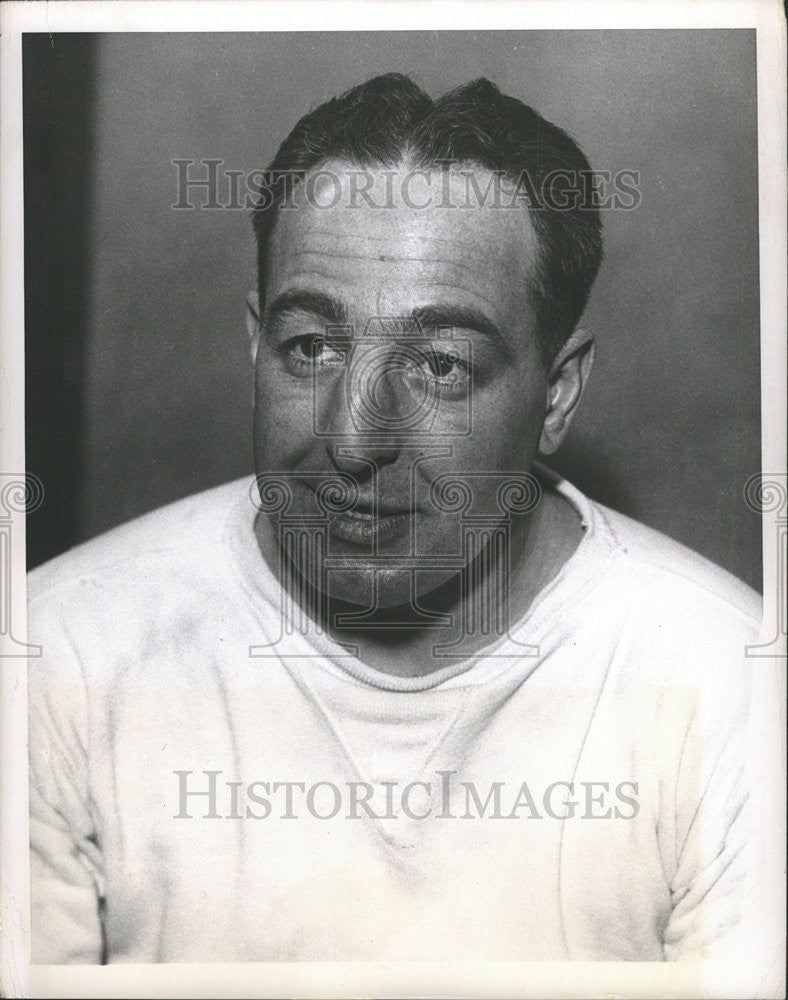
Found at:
(446, 369)
(311, 352)
(443, 365)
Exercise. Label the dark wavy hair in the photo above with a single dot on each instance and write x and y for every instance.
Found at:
(389, 118)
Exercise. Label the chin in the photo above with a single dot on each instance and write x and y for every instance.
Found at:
(359, 585)
(393, 587)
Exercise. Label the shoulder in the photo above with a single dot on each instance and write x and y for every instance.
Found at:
(669, 615)
(165, 542)
(670, 575)
(685, 622)
(149, 597)
(648, 568)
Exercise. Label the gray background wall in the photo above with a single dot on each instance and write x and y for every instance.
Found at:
(138, 309)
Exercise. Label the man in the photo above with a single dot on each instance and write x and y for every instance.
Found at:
(409, 695)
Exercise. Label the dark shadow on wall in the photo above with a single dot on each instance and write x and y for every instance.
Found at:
(58, 74)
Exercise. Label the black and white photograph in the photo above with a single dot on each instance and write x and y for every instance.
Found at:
(403, 514)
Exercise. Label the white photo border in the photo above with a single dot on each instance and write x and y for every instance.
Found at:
(494, 979)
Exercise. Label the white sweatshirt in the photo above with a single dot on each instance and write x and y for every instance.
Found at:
(579, 791)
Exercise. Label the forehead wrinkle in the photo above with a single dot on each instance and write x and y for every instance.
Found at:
(317, 235)
(332, 235)
(402, 259)
(314, 272)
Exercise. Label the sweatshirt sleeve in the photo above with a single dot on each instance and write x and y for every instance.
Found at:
(727, 880)
(65, 859)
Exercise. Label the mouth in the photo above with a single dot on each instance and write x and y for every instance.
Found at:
(364, 525)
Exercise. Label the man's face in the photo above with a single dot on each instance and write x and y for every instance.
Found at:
(397, 345)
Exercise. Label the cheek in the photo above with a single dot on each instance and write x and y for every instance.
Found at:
(283, 422)
(507, 423)
(499, 453)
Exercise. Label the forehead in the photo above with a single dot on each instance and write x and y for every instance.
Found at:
(409, 237)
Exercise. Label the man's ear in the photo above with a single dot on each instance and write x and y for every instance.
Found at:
(253, 322)
(567, 380)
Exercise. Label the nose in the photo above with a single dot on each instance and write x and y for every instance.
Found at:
(368, 411)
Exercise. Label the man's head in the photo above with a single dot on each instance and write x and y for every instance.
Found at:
(389, 120)
(421, 275)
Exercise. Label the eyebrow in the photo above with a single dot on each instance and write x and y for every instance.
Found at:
(428, 318)
(461, 317)
(305, 301)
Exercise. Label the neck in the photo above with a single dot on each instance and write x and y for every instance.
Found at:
(416, 639)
